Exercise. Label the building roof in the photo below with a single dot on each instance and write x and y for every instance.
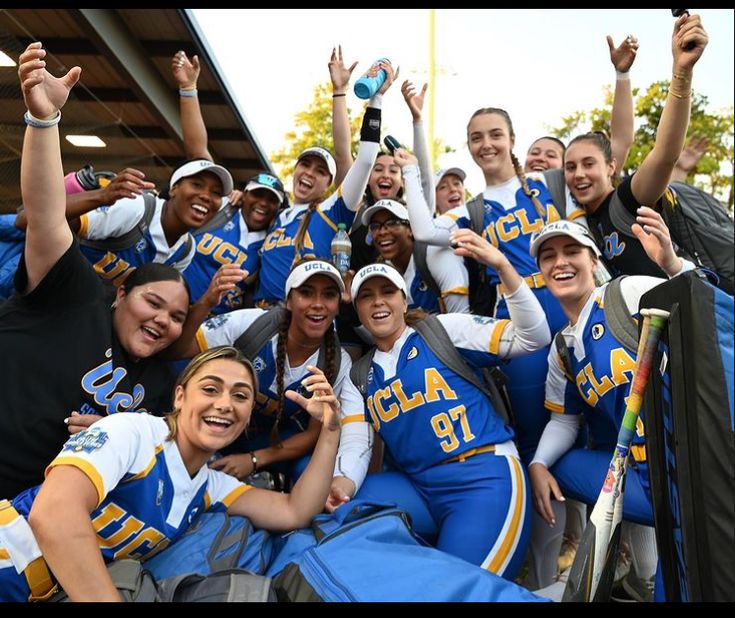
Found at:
(126, 94)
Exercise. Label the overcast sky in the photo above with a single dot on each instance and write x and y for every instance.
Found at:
(538, 64)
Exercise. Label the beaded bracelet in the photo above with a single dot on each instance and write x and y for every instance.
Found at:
(37, 123)
(188, 93)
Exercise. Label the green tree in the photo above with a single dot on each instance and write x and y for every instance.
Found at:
(714, 171)
(313, 127)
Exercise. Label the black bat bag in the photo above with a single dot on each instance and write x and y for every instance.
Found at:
(689, 440)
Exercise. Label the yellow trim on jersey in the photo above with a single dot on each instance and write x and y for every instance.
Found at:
(83, 226)
(534, 281)
(515, 525)
(639, 453)
(8, 513)
(557, 408)
(87, 468)
(500, 327)
(459, 291)
(575, 214)
(144, 472)
(235, 494)
(39, 580)
(201, 340)
(452, 215)
(329, 222)
(352, 418)
(4, 554)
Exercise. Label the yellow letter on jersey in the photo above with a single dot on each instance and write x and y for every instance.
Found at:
(433, 383)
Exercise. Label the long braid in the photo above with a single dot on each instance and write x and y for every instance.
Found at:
(298, 241)
(526, 189)
(275, 439)
(330, 357)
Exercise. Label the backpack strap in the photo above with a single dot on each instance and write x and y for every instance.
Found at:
(223, 540)
(360, 370)
(621, 324)
(556, 184)
(130, 238)
(266, 326)
(430, 329)
(223, 216)
(422, 267)
(476, 209)
(563, 351)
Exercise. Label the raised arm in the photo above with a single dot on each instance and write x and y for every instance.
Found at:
(622, 130)
(341, 135)
(41, 174)
(694, 150)
(415, 102)
(186, 73)
(649, 183)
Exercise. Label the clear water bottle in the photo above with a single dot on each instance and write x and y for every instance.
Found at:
(341, 249)
(366, 86)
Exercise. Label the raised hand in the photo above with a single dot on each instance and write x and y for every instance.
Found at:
(414, 100)
(127, 184)
(185, 71)
(338, 72)
(624, 54)
(653, 233)
(224, 280)
(467, 243)
(402, 157)
(44, 94)
(391, 74)
(688, 41)
(323, 404)
(694, 150)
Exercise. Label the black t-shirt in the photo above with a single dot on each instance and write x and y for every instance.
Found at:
(59, 354)
(624, 254)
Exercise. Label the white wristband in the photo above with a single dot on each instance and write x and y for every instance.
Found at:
(37, 123)
(622, 74)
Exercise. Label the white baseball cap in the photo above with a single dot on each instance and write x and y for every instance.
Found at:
(269, 183)
(562, 228)
(322, 153)
(377, 270)
(450, 170)
(398, 209)
(192, 168)
(308, 269)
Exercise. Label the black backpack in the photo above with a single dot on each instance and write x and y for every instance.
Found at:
(430, 329)
(700, 227)
(266, 326)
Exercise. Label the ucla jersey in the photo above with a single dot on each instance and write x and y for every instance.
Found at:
(146, 497)
(278, 253)
(229, 243)
(450, 275)
(111, 222)
(225, 329)
(425, 412)
(602, 369)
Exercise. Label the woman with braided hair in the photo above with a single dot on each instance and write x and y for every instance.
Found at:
(281, 435)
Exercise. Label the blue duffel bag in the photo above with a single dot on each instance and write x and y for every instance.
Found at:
(368, 552)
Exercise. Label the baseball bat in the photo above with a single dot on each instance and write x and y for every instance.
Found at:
(597, 551)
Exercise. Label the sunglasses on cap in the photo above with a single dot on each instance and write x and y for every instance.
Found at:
(390, 224)
(268, 180)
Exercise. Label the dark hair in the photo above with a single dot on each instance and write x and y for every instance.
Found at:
(532, 195)
(152, 272)
(553, 139)
(369, 197)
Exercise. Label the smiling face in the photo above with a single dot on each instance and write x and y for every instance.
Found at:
(568, 269)
(313, 306)
(196, 199)
(394, 241)
(311, 178)
(544, 154)
(588, 175)
(490, 143)
(259, 208)
(150, 316)
(214, 408)
(382, 307)
(385, 179)
(449, 193)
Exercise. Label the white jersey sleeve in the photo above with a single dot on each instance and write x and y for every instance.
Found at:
(223, 489)
(226, 328)
(112, 221)
(112, 448)
(451, 275)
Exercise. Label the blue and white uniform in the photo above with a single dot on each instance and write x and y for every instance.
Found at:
(146, 497)
(231, 243)
(510, 219)
(602, 369)
(461, 476)
(225, 330)
(110, 222)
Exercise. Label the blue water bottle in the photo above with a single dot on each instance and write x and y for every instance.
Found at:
(366, 87)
